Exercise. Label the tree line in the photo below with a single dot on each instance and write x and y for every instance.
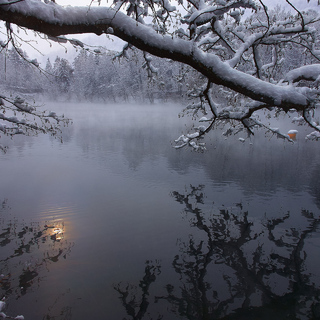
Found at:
(95, 77)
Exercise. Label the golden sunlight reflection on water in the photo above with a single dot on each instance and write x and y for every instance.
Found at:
(59, 220)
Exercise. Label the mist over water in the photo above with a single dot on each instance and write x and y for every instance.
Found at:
(115, 223)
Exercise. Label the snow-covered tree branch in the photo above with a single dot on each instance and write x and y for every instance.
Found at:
(19, 117)
(247, 61)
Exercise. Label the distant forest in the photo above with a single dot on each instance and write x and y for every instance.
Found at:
(96, 77)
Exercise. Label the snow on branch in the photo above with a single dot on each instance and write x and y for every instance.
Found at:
(245, 117)
(56, 20)
(310, 73)
(315, 135)
(206, 13)
(151, 69)
(268, 60)
(19, 117)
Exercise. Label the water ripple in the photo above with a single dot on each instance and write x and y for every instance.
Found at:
(54, 212)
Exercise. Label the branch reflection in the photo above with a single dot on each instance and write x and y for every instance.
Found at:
(237, 267)
(134, 300)
(28, 249)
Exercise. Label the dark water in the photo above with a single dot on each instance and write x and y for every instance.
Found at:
(115, 224)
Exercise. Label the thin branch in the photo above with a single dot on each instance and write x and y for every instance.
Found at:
(207, 94)
(299, 13)
(310, 123)
(274, 131)
(267, 15)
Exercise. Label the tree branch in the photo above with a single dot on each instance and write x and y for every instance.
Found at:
(55, 20)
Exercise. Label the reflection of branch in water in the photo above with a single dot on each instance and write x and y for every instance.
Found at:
(263, 274)
(58, 310)
(137, 307)
(39, 245)
(235, 268)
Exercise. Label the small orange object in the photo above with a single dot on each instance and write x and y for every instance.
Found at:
(292, 134)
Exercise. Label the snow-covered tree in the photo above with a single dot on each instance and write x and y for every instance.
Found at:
(94, 76)
(239, 59)
(63, 73)
(48, 81)
(19, 79)
(18, 74)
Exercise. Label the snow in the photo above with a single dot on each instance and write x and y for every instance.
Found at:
(202, 128)
(182, 138)
(205, 12)
(310, 72)
(194, 145)
(52, 114)
(267, 92)
(19, 103)
(298, 120)
(315, 135)
(193, 135)
(2, 306)
(13, 119)
(168, 6)
(275, 130)
(110, 30)
(244, 47)
(3, 315)
(2, 127)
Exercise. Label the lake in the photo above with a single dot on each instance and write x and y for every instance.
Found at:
(114, 223)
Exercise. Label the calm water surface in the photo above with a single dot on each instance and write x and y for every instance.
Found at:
(114, 223)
